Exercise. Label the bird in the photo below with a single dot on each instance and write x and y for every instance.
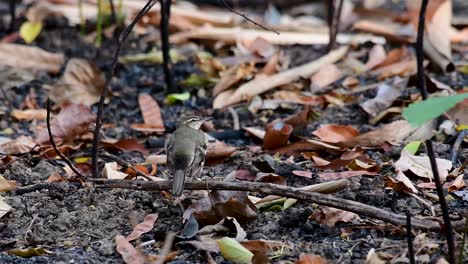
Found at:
(186, 151)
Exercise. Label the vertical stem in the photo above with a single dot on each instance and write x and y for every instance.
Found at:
(123, 36)
(167, 65)
(12, 6)
(428, 143)
(82, 19)
(112, 7)
(409, 237)
(99, 24)
(330, 15)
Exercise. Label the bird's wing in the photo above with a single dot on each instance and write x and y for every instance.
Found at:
(169, 153)
(199, 157)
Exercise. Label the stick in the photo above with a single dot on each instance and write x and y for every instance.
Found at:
(165, 45)
(273, 189)
(247, 18)
(109, 75)
(409, 238)
(235, 118)
(52, 142)
(12, 6)
(429, 149)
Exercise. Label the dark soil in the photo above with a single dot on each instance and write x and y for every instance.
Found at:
(78, 224)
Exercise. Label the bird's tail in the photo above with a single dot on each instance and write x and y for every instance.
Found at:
(178, 183)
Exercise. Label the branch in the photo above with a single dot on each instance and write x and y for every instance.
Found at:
(273, 189)
(165, 45)
(52, 141)
(109, 75)
(429, 148)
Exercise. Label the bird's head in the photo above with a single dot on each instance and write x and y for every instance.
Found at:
(194, 122)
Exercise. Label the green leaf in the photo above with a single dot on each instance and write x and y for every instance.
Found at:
(421, 112)
(463, 69)
(288, 203)
(234, 251)
(413, 146)
(196, 80)
(175, 97)
(30, 30)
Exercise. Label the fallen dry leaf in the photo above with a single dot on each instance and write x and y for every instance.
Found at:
(328, 176)
(277, 135)
(330, 216)
(311, 259)
(129, 253)
(4, 207)
(29, 114)
(233, 75)
(152, 117)
(72, 121)
(393, 56)
(393, 133)
(22, 144)
(327, 75)
(111, 171)
(394, 31)
(82, 83)
(400, 183)
(305, 174)
(6, 185)
(421, 166)
(377, 55)
(27, 57)
(217, 151)
(143, 227)
(457, 184)
(336, 133)
(258, 86)
(125, 145)
(386, 95)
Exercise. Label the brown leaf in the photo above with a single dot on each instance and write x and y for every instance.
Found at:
(259, 46)
(125, 145)
(298, 98)
(82, 83)
(233, 75)
(400, 183)
(271, 178)
(152, 117)
(311, 259)
(330, 216)
(457, 184)
(260, 85)
(386, 95)
(234, 204)
(393, 31)
(336, 133)
(27, 57)
(143, 227)
(394, 56)
(327, 75)
(56, 177)
(305, 174)
(377, 55)
(217, 151)
(328, 176)
(277, 135)
(72, 121)
(22, 144)
(29, 114)
(6, 185)
(403, 68)
(129, 253)
(393, 133)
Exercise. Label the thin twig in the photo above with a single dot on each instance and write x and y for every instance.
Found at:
(409, 238)
(273, 189)
(113, 13)
(52, 142)
(457, 144)
(247, 18)
(166, 248)
(124, 164)
(429, 148)
(165, 45)
(123, 36)
(235, 118)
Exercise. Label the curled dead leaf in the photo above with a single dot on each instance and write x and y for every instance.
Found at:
(336, 133)
(152, 117)
(28, 57)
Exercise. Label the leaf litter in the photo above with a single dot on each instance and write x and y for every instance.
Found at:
(348, 127)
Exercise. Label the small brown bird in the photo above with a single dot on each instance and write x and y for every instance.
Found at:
(186, 150)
